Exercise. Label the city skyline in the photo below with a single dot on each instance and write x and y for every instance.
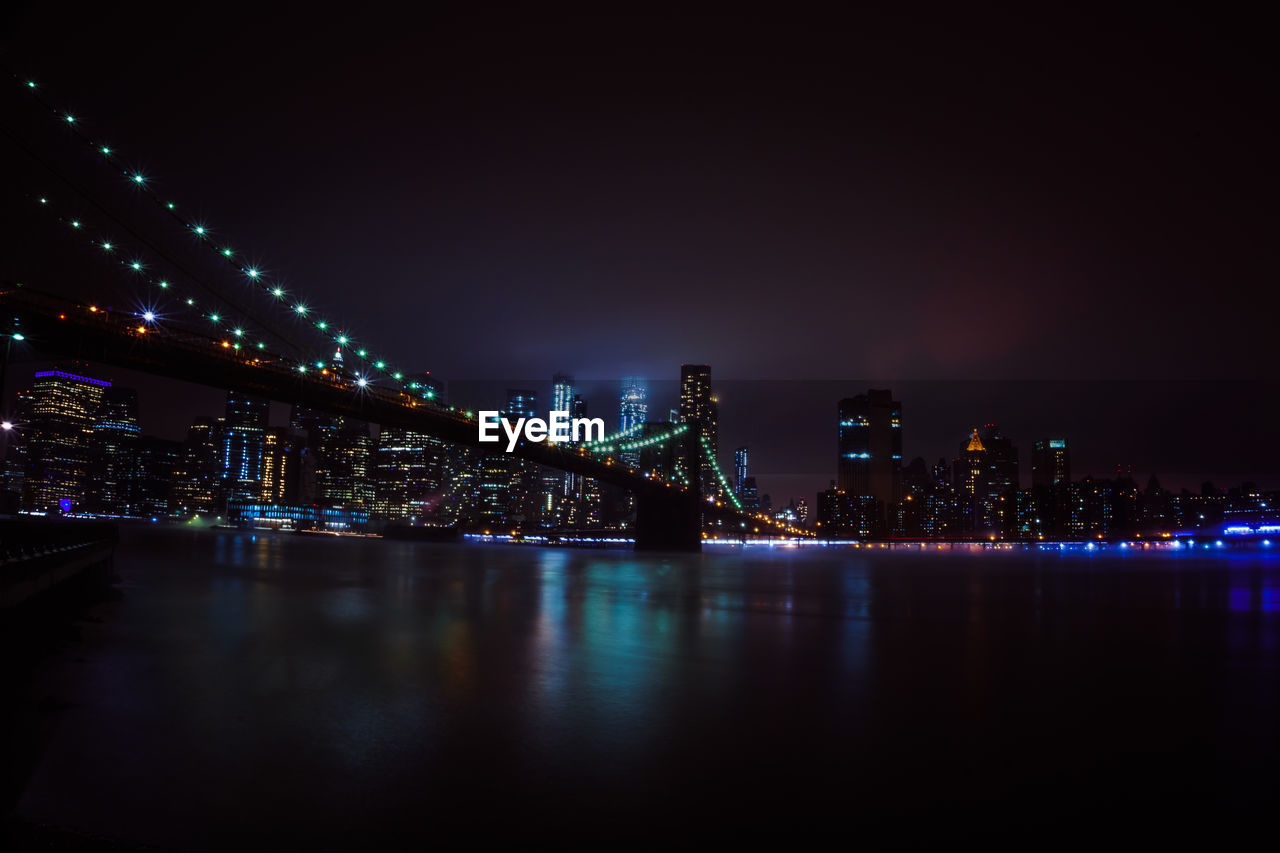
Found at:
(991, 485)
(1228, 449)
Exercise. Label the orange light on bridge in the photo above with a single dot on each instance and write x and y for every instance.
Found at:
(142, 330)
(226, 345)
(93, 308)
(62, 316)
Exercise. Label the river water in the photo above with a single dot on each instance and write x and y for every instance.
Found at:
(262, 688)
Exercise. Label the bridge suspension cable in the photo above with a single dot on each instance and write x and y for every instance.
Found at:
(253, 274)
(715, 467)
(151, 312)
(151, 246)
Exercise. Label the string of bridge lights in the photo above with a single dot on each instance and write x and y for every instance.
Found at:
(609, 440)
(114, 250)
(636, 445)
(715, 466)
(253, 274)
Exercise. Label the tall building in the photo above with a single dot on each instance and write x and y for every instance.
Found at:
(633, 410)
(159, 459)
(870, 446)
(343, 476)
(561, 392)
(506, 488)
(521, 403)
(739, 471)
(61, 407)
(697, 403)
(198, 473)
(1050, 487)
(583, 498)
(334, 466)
(280, 449)
(117, 480)
(1050, 462)
(409, 473)
(986, 479)
(243, 432)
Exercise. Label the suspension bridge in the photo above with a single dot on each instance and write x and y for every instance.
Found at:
(193, 330)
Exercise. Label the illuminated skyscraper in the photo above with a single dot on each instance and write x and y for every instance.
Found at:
(117, 474)
(241, 443)
(198, 472)
(409, 470)
(986, 478)
(870, 446)
(1050, 486)
(280, 449)
(60, 408)
(506, 488)
(739, 471)
(561, 392)
(521, 403)
(159, 460)
(339, 452)
(698, 404)
(633, 410)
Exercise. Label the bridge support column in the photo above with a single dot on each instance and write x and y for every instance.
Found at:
(668, 523)
(674, 522)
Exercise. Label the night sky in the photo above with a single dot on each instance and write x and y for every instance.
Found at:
(1060, 224)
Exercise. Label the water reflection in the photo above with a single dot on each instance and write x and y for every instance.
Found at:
(330, 687)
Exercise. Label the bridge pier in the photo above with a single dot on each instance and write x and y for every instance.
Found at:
(668, 522)
(673, 522)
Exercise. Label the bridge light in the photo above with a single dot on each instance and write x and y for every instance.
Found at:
(71, 119)
(277, 292)
(226, 345)
(322, 325)
(18, 336)
(251, 272)
(138, 179)
(397, 376)
(199, 229)
(261, 345)
(239, 333)
(302, 368)
(149, 316)
(191, 302)
(164, 285)
(106, 247)
(362, 382)
(226, 253)
(31, 84)
(362, 353)
(380, 365)
(320, 364)
(214, 318)
(169, 205)
(342, 339)
(93, 309)
(75, 223)
(300, 308)
(142, 330)
(136, 265)
(105, 150)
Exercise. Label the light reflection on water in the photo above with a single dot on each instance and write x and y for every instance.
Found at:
(333, 686)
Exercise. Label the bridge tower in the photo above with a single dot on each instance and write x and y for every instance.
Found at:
(674, 522)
